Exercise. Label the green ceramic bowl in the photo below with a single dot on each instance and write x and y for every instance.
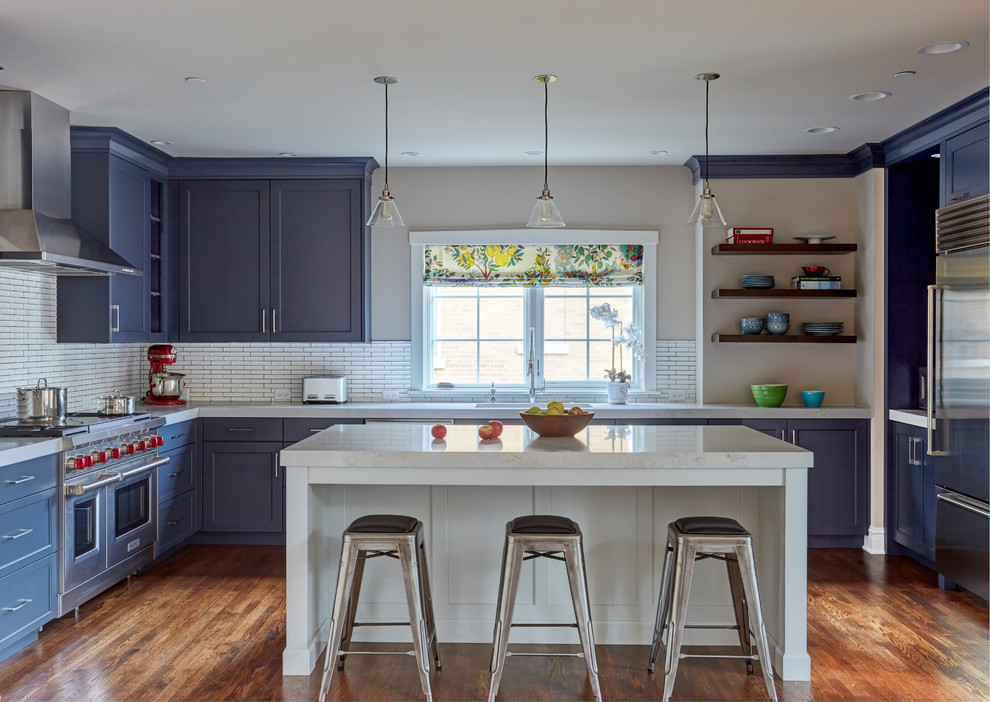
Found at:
(769, 395)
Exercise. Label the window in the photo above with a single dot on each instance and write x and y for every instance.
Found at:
(471, 335)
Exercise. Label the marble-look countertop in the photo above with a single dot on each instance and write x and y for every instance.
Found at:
(407, 454)
(914, 417)
(16, 450)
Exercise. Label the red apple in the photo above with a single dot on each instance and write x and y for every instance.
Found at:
(486, 431)
(439, 431)
(497, 425)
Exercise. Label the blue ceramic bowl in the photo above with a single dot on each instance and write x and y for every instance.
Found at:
(775, 327)
(813, 398)
(778, 317)
(751, 325)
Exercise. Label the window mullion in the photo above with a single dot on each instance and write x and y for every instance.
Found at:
(534, 320)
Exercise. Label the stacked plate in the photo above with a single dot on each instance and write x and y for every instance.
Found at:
(757, 281)
(822, 328)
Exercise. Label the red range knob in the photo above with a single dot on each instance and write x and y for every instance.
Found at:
(129, 449)
(159, 441)
(115, 453)
(142, 445)
(74, 463)
(88, 461)
(100, 456)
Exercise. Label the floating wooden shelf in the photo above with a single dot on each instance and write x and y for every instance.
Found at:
(749, 249)
(779, 292)
(781, 339)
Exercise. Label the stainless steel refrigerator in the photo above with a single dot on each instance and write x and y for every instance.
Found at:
(959, 394)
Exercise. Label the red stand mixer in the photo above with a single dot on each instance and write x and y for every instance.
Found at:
(166, 388)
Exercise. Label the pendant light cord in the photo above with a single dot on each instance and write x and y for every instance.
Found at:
(707, 83)
(546, 132)
(386, 134)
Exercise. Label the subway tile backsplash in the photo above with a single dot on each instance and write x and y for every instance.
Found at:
(227, 372)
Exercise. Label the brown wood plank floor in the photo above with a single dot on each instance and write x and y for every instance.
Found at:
(209, 624)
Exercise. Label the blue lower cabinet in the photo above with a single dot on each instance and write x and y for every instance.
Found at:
(28, 529)
(27, 477)
(179, 474)
(242, 486)
(176, 522)
(27, 601)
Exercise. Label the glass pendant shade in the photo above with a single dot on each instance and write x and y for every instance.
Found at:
(545, 214)
(707, 212)
(386, 213)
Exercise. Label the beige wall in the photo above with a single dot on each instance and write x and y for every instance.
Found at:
(651, 198)
(793, 207)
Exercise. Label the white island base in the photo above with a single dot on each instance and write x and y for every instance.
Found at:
(623, 485)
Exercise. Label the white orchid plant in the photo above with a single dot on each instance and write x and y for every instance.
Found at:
(630, 336)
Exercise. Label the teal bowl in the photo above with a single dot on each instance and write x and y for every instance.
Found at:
(813, 398)
(769, 395)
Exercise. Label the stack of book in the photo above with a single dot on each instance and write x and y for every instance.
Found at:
(750, 235)
(824, 282)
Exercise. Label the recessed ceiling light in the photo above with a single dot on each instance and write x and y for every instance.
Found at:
(195, 79)
(534, 153)
(942, 47)
(658, 153)
(905, 74)
(286, 154)
(871, 96)
(820, 130)
(161, 142)
(410, 154)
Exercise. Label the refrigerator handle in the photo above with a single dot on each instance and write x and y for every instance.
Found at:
(932, 361)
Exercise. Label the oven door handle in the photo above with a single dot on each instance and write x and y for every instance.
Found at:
(160, 461)
(111, 478)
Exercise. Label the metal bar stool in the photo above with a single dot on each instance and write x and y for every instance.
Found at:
(542, 536)
(373, 536)
(692, 539)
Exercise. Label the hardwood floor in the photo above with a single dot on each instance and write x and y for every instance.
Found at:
(209, 624)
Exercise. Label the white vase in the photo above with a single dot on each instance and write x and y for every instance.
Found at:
(618, 391)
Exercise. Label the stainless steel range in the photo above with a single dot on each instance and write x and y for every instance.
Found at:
(108, 498)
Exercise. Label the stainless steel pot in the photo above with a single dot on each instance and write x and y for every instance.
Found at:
(167, 386)
(41, 403)
(115, 403)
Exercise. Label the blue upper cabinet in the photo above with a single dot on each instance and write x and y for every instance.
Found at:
(263, 259)
(966, 165)
(118, 194)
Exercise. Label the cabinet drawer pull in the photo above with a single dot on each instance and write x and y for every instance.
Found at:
(24, 479)
(274, 327)
(175, 521)
(960, 196)
(240, 428)
(22, 532)
(315, 431)
(24, 603)
(116, 323)
(264, 321)
(177, 436)
(176, 473)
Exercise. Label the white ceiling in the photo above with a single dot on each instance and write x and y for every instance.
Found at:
(297, 75)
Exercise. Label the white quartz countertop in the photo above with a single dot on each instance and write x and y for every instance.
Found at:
(16, 450)
(914, 417)
(407, 454)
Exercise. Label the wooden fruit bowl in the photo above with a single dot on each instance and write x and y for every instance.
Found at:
(557, 425)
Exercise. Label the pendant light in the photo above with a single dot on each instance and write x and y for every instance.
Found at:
(707, 212)
(386, 214)
(545, 214)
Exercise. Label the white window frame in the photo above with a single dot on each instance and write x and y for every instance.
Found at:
(419, 240)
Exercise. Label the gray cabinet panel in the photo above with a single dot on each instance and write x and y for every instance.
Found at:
(242, 429)
(179, 474)
(176, 522)
(298, 428)
(27, 600)
(966, 157)
(316, 260)
(242, 487)
(224, 260)
(27, 477)
(176, 435)
(912, 491)
(27, 531)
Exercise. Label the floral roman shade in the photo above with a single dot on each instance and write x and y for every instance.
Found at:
(579, 265)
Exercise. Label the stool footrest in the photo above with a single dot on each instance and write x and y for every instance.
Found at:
(734, 627)
(376, 653)
(357, 624)
(555, 655)
(541, 626)
(754, 657)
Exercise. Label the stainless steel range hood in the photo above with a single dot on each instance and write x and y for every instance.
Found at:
(36, 229)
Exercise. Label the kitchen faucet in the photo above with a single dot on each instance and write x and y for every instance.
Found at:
(531, 366)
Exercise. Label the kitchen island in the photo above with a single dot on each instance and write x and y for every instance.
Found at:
(622, 484)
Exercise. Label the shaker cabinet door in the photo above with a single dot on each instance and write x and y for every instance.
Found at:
(966, 173)
(242, 487)
(316, 260)
(224, 261)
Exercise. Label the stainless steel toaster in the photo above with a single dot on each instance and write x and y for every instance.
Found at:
(324, 389)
